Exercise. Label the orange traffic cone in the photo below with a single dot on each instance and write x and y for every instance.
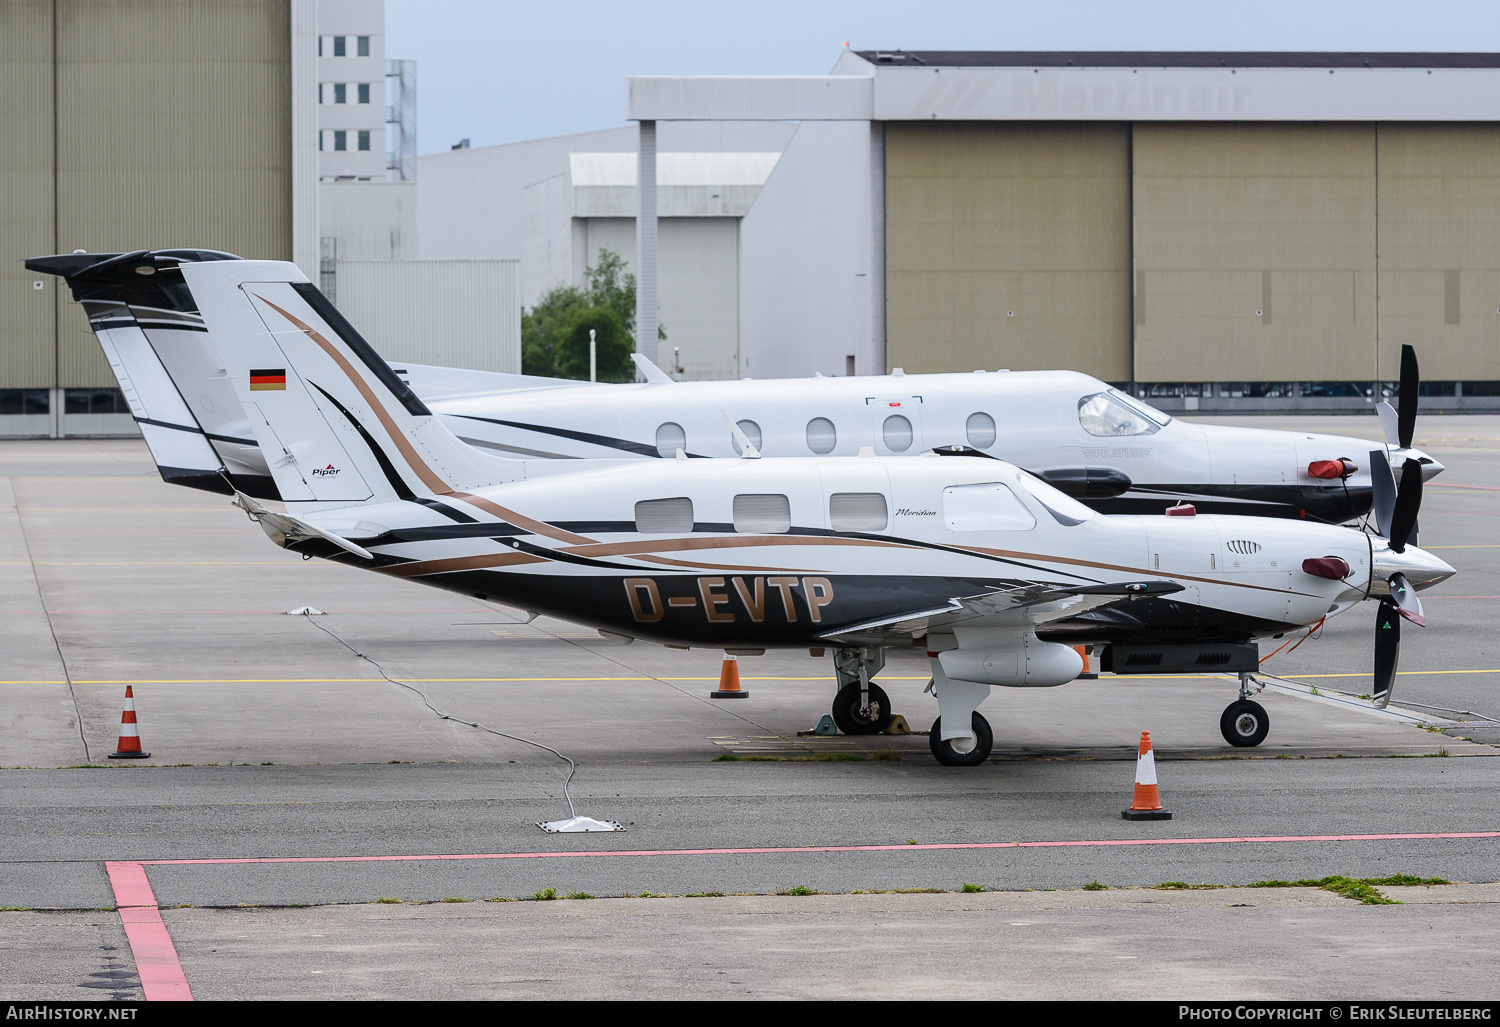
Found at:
(1147, 804)
(729, 681)
(1088, 672)
(130, 735)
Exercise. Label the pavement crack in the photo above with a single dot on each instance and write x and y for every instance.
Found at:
(52, 630)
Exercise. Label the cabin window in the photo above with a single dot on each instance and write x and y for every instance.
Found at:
(664, 516)
(988, 507)
(822, 436)
(980, 428)
(762, 514)
(1112, 414)
(896, 433)
(669, 439)
(858, 511)
(752, 432)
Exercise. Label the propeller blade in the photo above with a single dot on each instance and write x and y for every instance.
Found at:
(1408, 502)
(1389, 422)
(1387, 651)
(1408, 603)
(1383, 487)
(1411, 383)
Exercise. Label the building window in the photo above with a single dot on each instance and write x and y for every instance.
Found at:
(364, 92)
(363, 48)
(94, 401)
(339, 50)
(364, 139)
(340, 93)
(341, 140)
(320, 141)
(320, 46)
(25, 401)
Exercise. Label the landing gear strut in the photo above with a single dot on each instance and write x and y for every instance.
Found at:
(1245, 722)
(860, 707)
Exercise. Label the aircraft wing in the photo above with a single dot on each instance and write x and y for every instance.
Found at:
(1035, 601)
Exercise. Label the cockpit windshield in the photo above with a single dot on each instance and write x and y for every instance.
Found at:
(1065, 510)
(1112, 414)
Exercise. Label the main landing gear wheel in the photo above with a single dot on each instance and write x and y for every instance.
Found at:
(852, 720)
(1245, 723)
(962, 752)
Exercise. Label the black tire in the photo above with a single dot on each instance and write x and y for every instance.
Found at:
(1245, 723)
(847, 714)
(948, 756)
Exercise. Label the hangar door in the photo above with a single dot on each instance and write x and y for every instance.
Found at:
(1008, 245)
(1254, 252)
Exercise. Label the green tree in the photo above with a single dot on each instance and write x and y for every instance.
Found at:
(546, 326)
(612, 346)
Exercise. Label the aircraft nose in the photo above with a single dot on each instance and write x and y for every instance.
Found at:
(1421, 568)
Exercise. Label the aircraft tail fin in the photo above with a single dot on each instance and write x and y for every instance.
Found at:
(337, 426)
(147, 322)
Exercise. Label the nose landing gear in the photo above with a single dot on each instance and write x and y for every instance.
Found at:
(1245, 723)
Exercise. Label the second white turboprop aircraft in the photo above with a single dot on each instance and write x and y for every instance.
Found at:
(991, 571)
(1108, 449)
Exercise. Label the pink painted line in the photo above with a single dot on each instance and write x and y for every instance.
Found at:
(1451, 485)
(831, 848)
(156, 962)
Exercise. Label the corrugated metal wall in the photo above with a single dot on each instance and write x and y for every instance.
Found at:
(1254, 252)
(174, 129)
(1008, 245)
(1240, 252)
(27, 357)
(455, 313)
(1440, 249)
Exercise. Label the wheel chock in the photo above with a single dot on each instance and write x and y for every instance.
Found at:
(825, 727)
(898, 726)
(1147, 804)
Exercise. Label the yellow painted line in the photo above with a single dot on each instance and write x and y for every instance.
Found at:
(1399, 673)
(1497, 546)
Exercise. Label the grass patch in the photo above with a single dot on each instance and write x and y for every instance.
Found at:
(1405, 881)
(15, 909)
(545, 895)
(500, 898)
(396, 901)
(796, 890)
(579, 895)
(888, 756)
(1360, 889)
(1443, 752)
(1095, 886)
(918, 891)
(651, 895)
(1435, 730)
(1184, 886)
(89, 766)
(966, 887)
(455, 898)
(726, 757)
(704, 895)
(912, 841)
(838, 757)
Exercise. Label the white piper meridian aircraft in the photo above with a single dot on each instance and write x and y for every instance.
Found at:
(1108, 449)
(990, 570)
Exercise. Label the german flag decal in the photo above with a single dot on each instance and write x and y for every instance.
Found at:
(267, 379)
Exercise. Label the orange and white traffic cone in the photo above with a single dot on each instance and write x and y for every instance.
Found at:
(729, 681)
(1147, 804)
(130, 734)
(1088, 670)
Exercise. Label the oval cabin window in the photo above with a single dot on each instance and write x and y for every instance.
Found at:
(896, 433)
(669, 439)
(980, 428)
(752, 432)
(822, 436)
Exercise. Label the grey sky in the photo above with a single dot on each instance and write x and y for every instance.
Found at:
(499, 72)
